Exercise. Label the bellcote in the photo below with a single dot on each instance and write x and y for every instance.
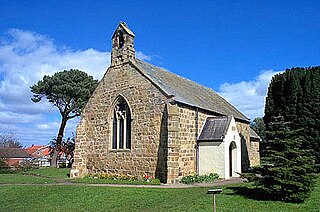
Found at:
(122, 45)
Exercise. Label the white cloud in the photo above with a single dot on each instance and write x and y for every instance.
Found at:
(249, 96)
(142, 56)
(25, 57)
(19, 118)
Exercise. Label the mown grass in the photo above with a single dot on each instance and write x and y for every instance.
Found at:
(34, 176)
(49, 172)
(23, 179)
(86, 198)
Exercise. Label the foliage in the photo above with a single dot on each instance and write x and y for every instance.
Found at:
(113, 176)
(110, 178)
(9, 140)
(23, 166)
(97, 198)
(195, 178)
(295, 95)
(4, 169)
(155, 181)
(287, 172)
(3, 163)
(67, 148)
(292, 144)
(259, 127)
(148, 178)
(69, 91)
(90, 180)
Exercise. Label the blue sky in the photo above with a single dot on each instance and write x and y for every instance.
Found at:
(234, 47)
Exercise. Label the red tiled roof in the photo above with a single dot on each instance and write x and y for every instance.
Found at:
(38, 151)
(32, 149)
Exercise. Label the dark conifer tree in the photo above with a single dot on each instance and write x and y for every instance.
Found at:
(295, 95)
(292, 145)
(287, 172)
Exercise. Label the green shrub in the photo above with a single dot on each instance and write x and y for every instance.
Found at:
(316, 168)
(195, 178)
(3, 163)
(155, 181)
(112, 176)
(122, 178)
(7, 170)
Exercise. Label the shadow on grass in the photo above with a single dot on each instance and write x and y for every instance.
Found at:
(250, 193)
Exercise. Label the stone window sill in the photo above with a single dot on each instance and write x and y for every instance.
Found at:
(119, 150)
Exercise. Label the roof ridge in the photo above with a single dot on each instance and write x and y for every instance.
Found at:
(175, 85)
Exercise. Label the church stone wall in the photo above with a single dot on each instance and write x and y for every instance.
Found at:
(93, 148)
(191, 121)
(250, 150)
(254, 153)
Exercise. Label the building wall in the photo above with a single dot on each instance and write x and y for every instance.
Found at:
(189, 131)
(254, 153)
(232, 136)
(212, 158)
(164, 135)
(250, 150)
(93, 148)
(191, 121)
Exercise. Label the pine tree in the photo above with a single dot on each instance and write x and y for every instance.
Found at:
(292, 145)
(287, 174)
(68, 91)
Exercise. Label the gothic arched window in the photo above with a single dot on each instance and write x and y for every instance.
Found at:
(121, 127)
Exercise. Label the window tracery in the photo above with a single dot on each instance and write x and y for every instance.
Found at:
(121, 127)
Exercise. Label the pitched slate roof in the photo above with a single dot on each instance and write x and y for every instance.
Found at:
(188, 92)
(13, 153)
(215, 128)
(253, 134)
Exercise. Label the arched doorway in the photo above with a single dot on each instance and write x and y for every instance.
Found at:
(232, 159)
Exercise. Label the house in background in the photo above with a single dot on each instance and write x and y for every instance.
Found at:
(14, 157)
(40, 155)
(143, 119)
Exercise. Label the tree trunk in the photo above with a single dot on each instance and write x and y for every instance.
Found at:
(54, 159)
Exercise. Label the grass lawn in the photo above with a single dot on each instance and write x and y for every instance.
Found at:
(50, 172)
(85, 198)
(35, 176)
(23, 179)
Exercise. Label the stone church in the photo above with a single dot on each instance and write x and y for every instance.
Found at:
(143, 119)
